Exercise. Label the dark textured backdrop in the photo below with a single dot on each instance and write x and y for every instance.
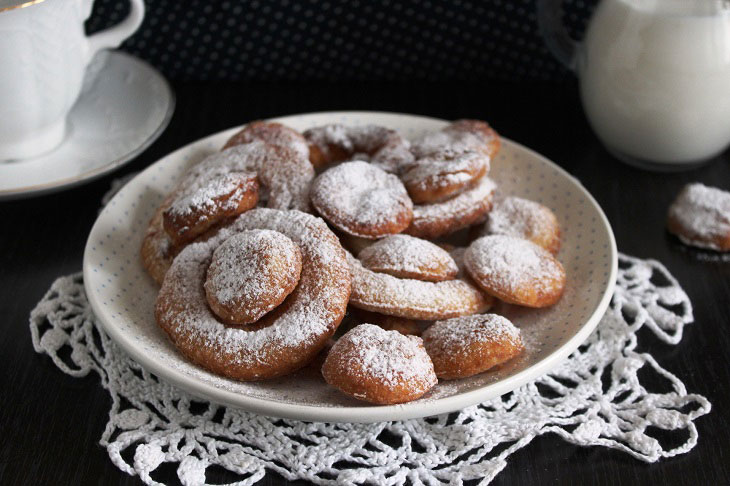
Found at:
(340, 40)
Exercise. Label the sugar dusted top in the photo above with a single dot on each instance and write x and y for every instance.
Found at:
(389, 357)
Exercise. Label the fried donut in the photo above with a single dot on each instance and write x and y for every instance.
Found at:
(251, 273)
(272, 133)
(515, 216)
(208, 201)
(515, 270)
(378, 366)
(700, 216)
(362, 200)
(284, 174)
(409, 257)
(283, 340)
(383, 147)
(438, 219)
(438, 177)
(413, 299)
(460, 135)
(450, 160)
(466, 346)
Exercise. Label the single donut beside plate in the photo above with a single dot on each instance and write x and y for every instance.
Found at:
(700, 216)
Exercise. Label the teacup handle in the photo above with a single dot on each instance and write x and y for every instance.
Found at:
(556, 37)
(113, 36)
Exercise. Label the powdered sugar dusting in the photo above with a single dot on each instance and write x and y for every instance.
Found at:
(465, 201)
(273, 134)
(358, 194)
(415, 299)
(391, 358)
(253, 271)
(314, 309)
(407, 254)
(212, 191)
(515, 216)
(285, 174)
(511, 262)
(460, 332)
(449, 140)
(445, 169)
(704, 215)
(384, 147)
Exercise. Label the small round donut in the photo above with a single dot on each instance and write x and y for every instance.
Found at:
(466, 346)
(515, 216)
(438, 177)
(383, 147)
(283, 340)
(700, 216)
(413, 299)
(434, 220)
(459, 136)
(250, 274)
(515, 270)
(450, 160)
(379, 366)
(272, 133)
(362, 200)
(282, 171)
(207, 202)
(409, 257)
(284, 174)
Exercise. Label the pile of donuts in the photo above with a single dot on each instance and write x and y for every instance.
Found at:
(262, 249)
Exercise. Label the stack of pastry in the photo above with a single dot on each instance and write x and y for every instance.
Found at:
(263, 248)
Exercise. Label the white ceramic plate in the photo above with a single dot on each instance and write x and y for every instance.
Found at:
(123, 296)
(123, 107)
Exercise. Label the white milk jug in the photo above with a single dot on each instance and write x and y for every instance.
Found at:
(654, 77)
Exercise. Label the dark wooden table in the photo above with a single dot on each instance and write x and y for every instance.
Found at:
(50, 423)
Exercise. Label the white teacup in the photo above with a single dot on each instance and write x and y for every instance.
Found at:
(43, 55)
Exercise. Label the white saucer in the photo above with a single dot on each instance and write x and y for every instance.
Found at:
(123, 296)
(124, 106)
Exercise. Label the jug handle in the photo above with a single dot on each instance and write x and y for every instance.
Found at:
(557, 40)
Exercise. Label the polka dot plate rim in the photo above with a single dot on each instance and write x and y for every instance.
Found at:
(122, 294)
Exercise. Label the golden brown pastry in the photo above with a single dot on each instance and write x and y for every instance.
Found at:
(515, 216)
(406, 256)
(515, 270)
(466, 346)
(362, 200)
(700, 216)
(379, 366)
(284, 339)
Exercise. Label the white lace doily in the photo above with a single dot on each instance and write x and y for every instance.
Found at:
(595, 397)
